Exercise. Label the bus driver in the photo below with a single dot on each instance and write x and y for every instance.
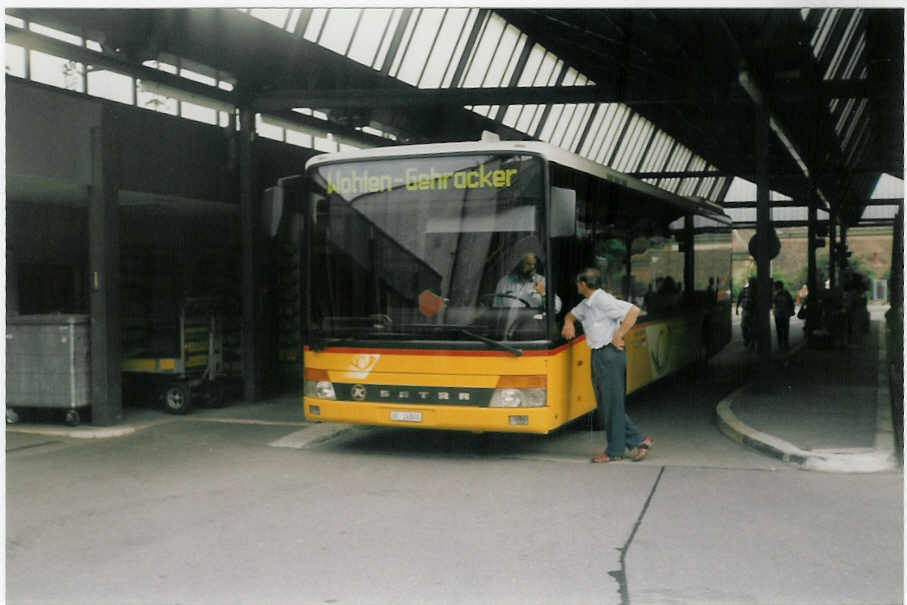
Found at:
(523, 284)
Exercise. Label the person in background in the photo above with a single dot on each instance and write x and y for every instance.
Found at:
(606, 321)
(783, 309)
(747, 300)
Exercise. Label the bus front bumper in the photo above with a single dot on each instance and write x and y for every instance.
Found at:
(540, 420)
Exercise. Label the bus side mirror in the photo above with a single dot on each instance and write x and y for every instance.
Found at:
(563, 212)
(272, 210)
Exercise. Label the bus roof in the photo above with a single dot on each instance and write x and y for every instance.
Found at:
(551, 152)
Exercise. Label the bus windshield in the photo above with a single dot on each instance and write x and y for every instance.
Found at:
(439, 248)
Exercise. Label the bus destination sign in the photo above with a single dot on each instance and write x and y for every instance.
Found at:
(360, 182)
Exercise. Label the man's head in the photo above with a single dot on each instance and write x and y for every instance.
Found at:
(779, 286)
(526, 266)
(588, 281)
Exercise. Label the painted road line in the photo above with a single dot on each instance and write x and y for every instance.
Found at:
(312, 434)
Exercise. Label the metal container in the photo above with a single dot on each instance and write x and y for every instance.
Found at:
(48, 361)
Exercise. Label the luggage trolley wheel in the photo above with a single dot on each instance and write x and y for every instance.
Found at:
(73, 418)
(177, 397)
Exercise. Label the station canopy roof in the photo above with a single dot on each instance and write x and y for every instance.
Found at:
(668, 95)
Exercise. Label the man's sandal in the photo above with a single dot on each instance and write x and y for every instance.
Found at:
(642, 449)
(603, 457)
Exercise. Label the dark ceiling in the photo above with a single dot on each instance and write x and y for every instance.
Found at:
(680, 68)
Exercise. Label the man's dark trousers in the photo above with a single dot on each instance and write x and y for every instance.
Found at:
(609, 374)
(782, 328)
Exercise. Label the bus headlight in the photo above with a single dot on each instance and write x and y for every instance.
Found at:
(318, 385)
(520, 392)
(518, 398)
(319, 389)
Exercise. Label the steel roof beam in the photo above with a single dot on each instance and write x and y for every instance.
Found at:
(509, 95)
(178, 84)
(61, 49)
(875, 222)
(889, 201)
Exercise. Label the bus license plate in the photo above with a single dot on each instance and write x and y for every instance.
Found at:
(406, 416)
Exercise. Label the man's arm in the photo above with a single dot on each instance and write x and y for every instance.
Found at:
(629, 320)
(569, 330)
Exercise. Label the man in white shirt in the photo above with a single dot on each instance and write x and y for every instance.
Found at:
(606, 320)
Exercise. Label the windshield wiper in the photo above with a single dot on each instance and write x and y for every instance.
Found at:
(494, 343)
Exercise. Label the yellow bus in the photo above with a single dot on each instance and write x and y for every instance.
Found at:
(436, 278)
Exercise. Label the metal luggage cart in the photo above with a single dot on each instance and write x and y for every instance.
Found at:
(194, 370)
(48, 365)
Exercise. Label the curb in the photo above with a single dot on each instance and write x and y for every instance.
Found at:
(864, 460)
(84, 433)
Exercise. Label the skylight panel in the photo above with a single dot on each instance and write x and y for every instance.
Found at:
(197, 77)
(484, 53)
(469, 18)
(387, 39)
(54, 33)
(887, 186)
(527, 121)
(548, 129)
(402, 50)
(15, 60)
(199, 113)
(512, 114)
(622, 153)
(160, 65)
(568, 125)
(50, 69)
(148, 98)
(316, 22)
(419, 45)
(365, 44)
(857, 119)
(843, 44)
(516, 49)
(442, 50)
(293, 20)
(607, 129)
(741, 190)
(826, 24)
(669, 184)
(594, 128)
(856, 56)
(111, 85)
(338, 29)
(275, 16)
(654, 160)
(267, 128)
(635, 143)
(578, 124)
(705, 187)
(533, 65)
(569, 78)
(680, 159)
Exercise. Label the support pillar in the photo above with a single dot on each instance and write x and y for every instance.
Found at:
(104, 278)
(811, 281)
(249, 232)
(763, 240)
(628, 270)
(832, 250)
(689, 258)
